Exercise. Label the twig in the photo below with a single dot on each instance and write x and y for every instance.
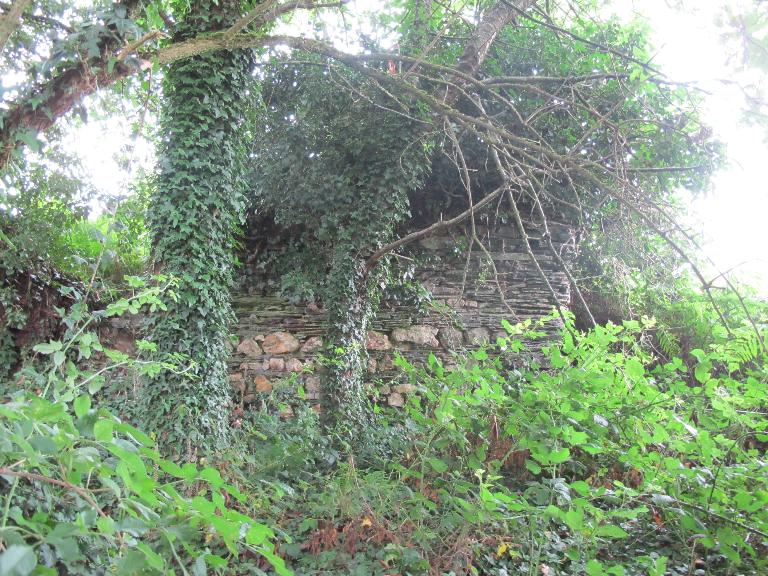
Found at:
(82, 492)
(131, 47)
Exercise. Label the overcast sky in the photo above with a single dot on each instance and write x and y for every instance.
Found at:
(731, 218)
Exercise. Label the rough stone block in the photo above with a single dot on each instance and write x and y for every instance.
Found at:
(262, 384)
(450, 337)
(237, 381)
(396, 400)
(276, 364)
(386, 363)
(312, 387)
(294, 365)
(377, 341)
(251, 367)
(250, 348)
(479, 336)
(280, 343)
(312, 344)
(313, 308)
(417, 334)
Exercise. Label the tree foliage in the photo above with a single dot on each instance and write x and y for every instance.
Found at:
(342, 194)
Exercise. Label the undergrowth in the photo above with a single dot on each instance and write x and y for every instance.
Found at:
(597, 458)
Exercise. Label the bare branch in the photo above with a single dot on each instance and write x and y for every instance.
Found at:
(82, 492)
(269, 10)
(571, 35)
(429, 230)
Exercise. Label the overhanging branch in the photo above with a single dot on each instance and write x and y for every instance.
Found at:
(429, 230)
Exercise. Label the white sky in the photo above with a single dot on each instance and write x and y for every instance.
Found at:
(731, 218)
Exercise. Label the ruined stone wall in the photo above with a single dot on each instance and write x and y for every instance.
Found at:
(280, 340)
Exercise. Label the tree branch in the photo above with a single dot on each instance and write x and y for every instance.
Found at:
(10, 20)
(429, 230)
(476, 48)
(40, 19)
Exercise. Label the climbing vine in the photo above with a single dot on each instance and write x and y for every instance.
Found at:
(193, 216)
(338, 172)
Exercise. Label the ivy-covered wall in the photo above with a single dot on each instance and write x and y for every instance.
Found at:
(279, 340)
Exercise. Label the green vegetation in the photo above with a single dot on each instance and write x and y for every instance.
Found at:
(598, 459)
(632, 442)
(192, 216)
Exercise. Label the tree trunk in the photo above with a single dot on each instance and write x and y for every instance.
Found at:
(349, 305)
(193, 216)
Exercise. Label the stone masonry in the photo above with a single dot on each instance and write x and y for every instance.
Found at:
(280, 340)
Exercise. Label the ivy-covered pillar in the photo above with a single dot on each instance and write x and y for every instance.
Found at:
(350, 304)
(193, 216)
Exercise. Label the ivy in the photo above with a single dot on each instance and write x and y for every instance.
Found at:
(337, 172)
(193, 216)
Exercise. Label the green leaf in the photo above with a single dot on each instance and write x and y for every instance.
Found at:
(634, 369)
(702, 372)
(574, 518)
(559, 456)
(58, 358)
(102, 430)
(581, 487)
(258, 533)
(18, 560)
(106, 525)
(82, 405)
(212, 476)
(594, 568)
(135, 433)
(437, 465)
(153, 558)
(228, 530)
(277, 563)
(49, 348)
(95, 385)
(611, 531)
(171, 468)
(532, 466)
